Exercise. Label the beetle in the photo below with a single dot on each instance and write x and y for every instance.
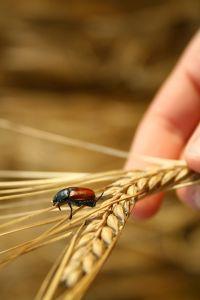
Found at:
(78, 196)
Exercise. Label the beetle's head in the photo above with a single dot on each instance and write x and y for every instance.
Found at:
(61, 197)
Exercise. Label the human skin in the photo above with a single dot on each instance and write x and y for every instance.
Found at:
(171, 127)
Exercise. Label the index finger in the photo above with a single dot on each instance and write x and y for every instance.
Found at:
(170, 119)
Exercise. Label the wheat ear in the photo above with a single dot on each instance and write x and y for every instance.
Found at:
(98, 234)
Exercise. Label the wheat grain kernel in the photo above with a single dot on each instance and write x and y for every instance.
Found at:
(107, 234)
(73, 266)
(168, 177)
(88, 262)
(73, 277)
(98, 247)
(85, 238)
(92, 226)
(78, 254)
(126, 206)
(113, 222)
(123, 196)
(141, 184)
(119, 212)
(154, 181)
(132, 190)
(181, 174)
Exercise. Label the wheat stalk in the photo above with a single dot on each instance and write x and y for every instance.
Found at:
(100, 230)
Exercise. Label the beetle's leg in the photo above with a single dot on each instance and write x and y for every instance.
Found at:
(58, 206)
(70, 206)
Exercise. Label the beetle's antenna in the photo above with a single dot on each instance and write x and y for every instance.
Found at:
(97, 199)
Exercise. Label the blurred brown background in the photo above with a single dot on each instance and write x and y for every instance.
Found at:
(88, 69)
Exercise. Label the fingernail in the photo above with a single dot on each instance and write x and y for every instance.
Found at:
(191, 195)
(194, 148)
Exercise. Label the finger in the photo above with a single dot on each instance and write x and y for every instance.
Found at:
(171, 118)
(191, 195)
(147, 207)
(192, 151)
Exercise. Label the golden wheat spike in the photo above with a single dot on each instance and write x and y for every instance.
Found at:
(100, 230)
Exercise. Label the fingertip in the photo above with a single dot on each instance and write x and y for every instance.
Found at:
(147, 207)
(190, 196)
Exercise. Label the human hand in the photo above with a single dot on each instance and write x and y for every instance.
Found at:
(171, 128)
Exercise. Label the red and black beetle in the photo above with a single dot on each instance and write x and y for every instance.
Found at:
(77, 196)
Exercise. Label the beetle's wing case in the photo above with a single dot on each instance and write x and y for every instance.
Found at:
(81, 193)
